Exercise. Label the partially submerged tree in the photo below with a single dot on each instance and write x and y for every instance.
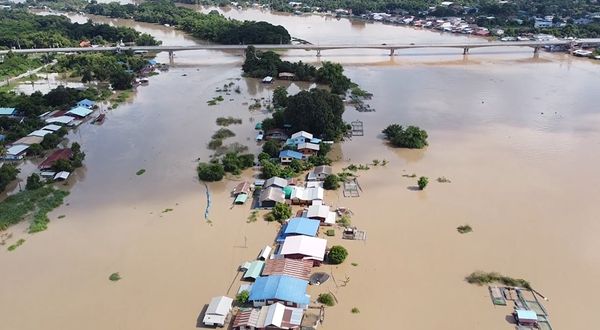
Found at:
(337, 254)
(412, 137)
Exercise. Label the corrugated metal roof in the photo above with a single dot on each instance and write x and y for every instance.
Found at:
(51, 128)
(276, 181)
(86, 103)
(302, 134)
(290, 154)
(39, 132)
(219, 305)
(255, 269)
(16, 150)
(272, 194)
(61, 120)
(80, 111)
(280, 287)
(302, 226)
(241, 199)
(7, 111)
(526, 315)
(310, 247)
(291, 267)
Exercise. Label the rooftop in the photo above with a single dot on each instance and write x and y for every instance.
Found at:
(80, 111)
(302, 134)
(274, 194)
(291, 267)
(311, 247)
(7, 111)
(276, 181)
(280, 287)
(290, 154)
(301, 226)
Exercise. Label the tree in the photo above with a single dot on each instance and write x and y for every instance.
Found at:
(271, 148)
(423, 181)
(210, 172)
(242, 297)
(8, 172)
(412, 137)
(281, 211)
(337, 254)
(280, 95)
(77, 155)
(316, 111)
(62, 165)
(333, 75)
(332, 182)
(326, 299)
(121, 80)
(35, 149)
(50, 141)
(269, 169)
(34, 182)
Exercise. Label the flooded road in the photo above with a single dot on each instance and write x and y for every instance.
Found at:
(518, 137)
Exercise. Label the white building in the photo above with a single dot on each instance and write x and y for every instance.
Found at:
(217, 311)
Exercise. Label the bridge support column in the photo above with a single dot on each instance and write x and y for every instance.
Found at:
(318, 53)
(392, 51)
(536, 50)
(171, 55)
(465, 50)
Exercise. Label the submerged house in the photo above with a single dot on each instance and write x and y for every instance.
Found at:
(526, 318)
(65, 153)
(276, 182)
(276, 316)
(308, 149)
(79, 112)
(298, 226)
(288, 290)
(306, 196)
(301, 137)
(217, 311)
(286, 156)
(319, 173)
(16, 152)
(86, 103)
(253, 269)
(320, 212)
(304, 248)
(270, 196)
(290, 267)
(241, 192)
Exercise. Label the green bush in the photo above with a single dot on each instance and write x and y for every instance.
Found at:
(223, 133)
(114, 277)
(34, 182)
(210, 172)
(355, 310)
(281, 211)
(481, 278)
(242, 297)
(332, 182)
(326, 299)
(422, 183)
(337, 254)
(464, 229)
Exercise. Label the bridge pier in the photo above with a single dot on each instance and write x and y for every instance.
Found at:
(465, 50)
(536, 50)
(392, 51)
(318, 53)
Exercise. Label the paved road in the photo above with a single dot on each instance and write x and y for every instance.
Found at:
(26, 74)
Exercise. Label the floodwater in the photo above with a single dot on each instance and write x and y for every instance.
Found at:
(517, 136)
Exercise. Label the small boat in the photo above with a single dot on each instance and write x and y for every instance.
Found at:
(100, 119)
(259, 137)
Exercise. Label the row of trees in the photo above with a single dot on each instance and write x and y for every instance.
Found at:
(21, 29)
(260, 64)
(213, 26)
(8, 172)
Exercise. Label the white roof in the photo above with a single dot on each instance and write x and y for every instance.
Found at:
(303, 134)
(308, 194)
(60, 120)
(317, 211)
(308, 145)
(311, 184)
(80, 111)
(39, 132)
(16, 150)
(330, 220)
(274, 315)
(265, 252)
(51, 128)
(267, 79)
(62, 175)
(276, 181)
(220, 305)
(311, 247)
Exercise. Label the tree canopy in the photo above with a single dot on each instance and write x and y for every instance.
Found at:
(212, 26)
(316, 111)
(412, 137)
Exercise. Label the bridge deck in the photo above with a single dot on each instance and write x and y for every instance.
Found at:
(478, 44)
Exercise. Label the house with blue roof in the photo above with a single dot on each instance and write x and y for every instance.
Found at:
(286, 156)
(279, 288)
(80, 112)
(86, 103)
(152, 62)
(298, 226)
(8, 111)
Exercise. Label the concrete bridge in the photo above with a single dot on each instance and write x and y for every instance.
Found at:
(536, 45)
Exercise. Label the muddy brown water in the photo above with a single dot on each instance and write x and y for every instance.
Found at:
(517, 136)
